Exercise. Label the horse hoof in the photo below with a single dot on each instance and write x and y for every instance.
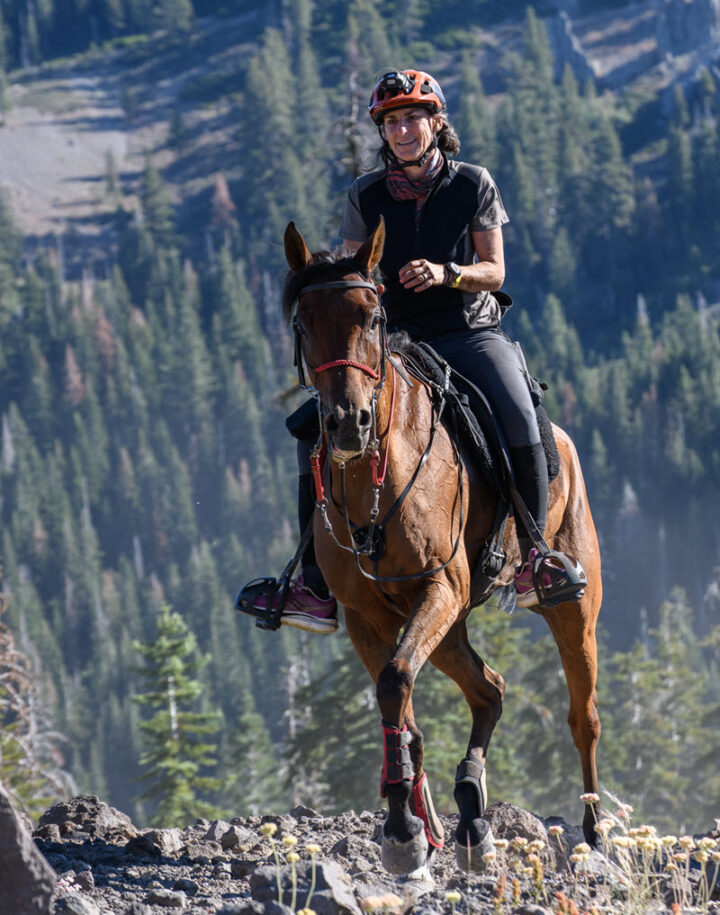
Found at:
(405, 857)
(470, 857)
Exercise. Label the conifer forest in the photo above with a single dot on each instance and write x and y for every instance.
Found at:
(145, 374)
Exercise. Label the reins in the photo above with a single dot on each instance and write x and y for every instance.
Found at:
(368, 540)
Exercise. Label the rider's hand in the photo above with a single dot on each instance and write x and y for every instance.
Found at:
(421, 275)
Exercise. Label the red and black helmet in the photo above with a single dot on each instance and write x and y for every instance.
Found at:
(405, 89)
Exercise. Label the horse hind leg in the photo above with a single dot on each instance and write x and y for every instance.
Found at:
(578, 653)
(483, 689)
(473, 837)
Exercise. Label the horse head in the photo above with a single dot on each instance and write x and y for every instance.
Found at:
(340, 336)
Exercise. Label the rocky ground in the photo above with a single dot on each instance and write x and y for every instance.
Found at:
(104, 864)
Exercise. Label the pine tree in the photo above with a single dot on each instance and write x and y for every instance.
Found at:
(657, 733)
(334, 736)
(178, 748)
(475, 124)
(31, 764)
(679, 198)
(253, 784)
(157, 208)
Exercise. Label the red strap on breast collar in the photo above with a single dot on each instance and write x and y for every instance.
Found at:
(317, 459)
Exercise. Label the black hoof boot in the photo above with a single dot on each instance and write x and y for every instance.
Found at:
(473, 837)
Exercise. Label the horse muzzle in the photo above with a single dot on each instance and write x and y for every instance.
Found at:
(348, 432)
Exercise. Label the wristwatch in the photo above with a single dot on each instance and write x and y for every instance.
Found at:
(453, 275)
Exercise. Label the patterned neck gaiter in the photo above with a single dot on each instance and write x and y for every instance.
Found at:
(402, 188)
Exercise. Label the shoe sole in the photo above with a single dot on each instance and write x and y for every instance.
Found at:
(309, 623)
(527, 600)
(530, 600)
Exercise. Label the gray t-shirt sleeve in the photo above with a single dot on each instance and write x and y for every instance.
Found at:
(352, 227)
(490, 212)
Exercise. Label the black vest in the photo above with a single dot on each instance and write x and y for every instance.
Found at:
(439, 233)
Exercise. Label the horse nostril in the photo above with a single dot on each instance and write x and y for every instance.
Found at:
(364, 419)
(331, 423)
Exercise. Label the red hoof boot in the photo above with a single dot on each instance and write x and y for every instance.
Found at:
(304, 609)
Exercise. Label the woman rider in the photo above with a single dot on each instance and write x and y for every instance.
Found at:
(442, 264)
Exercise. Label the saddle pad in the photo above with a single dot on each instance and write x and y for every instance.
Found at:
(472, 415)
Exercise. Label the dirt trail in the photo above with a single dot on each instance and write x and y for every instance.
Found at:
(54, 146)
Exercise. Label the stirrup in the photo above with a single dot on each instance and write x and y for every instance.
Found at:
(557, 578)
(269, 616)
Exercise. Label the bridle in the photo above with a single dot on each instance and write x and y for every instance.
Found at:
(369, 540)
(379, 377)
(337, 284)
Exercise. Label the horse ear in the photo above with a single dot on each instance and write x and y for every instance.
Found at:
(297, 253)
(368, 256)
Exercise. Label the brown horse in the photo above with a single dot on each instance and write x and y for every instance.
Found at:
(390, 458)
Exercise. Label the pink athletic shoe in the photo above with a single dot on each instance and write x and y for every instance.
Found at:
(524, 585)
(304, 609)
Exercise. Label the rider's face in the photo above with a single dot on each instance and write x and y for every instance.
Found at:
(409, 131)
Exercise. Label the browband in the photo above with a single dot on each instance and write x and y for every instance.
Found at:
(339, 284)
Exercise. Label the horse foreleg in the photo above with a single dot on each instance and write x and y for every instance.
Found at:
(576, 642)
(405, 835)
(483, 689)
(404, 843)
(405, 846)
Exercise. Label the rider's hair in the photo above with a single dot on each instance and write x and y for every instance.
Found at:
(447, 141)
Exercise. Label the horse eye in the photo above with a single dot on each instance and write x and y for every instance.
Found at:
(376, 320)
(299, 329)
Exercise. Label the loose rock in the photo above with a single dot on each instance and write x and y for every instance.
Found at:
(26, 878)
(166, 898)
(87, 813)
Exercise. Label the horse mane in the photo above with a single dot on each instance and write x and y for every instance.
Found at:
(325, 266)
